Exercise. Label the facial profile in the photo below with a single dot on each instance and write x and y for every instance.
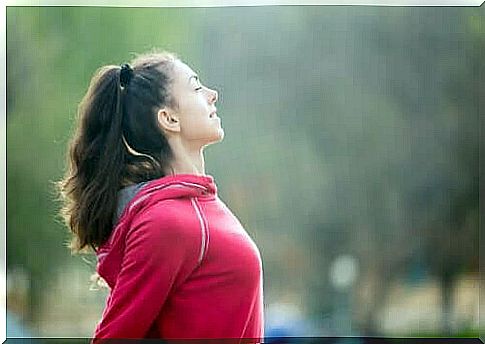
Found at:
(193, 116)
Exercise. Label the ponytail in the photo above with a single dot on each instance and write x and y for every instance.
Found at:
(117, 142)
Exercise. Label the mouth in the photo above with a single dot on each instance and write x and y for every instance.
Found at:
(213, 115)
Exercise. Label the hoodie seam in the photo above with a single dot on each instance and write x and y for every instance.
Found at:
(207, 231)
(203, 228)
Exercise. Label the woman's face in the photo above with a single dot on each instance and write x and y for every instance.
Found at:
(195, 118)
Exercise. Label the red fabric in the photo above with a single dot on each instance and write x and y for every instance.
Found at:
(180, 265)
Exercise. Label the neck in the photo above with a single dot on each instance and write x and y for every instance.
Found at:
(187, 160)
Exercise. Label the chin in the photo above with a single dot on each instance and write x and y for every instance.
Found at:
(221, 135)
(218, 138)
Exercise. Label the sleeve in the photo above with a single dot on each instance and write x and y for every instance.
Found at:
(158, 252)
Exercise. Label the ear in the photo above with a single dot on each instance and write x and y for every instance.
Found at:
(168, 120)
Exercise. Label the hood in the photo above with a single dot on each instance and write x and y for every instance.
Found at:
(134, 198)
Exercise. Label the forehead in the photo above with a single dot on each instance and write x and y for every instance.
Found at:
(182, 73)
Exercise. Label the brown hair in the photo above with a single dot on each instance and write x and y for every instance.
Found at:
(117, 142)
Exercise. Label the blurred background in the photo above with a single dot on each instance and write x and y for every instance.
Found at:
(350, 156)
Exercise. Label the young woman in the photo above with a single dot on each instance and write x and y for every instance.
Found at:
(177, 261)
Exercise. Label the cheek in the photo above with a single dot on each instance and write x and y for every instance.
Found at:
(192, 107)
(204, 130)
(195, 125)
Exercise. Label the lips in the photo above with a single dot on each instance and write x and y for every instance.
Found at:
(213, 114)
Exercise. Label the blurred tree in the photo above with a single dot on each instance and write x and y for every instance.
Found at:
(418, 195)
(352, 110)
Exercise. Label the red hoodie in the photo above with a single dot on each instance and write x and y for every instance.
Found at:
(180, 265)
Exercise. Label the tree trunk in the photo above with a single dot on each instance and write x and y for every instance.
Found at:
(447, 285)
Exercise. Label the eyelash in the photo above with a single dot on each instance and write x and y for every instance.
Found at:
(198, 88)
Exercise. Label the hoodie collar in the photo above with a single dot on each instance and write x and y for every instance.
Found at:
(186, 183)
(202, 182)
(174, 186)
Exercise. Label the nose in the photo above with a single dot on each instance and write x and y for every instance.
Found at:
(214, 96)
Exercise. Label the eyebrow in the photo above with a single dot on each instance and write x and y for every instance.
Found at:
(194, 76)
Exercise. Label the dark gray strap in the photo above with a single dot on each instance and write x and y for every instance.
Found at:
(125, 195)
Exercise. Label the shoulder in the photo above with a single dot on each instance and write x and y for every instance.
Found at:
(171, 219)
(176, 212)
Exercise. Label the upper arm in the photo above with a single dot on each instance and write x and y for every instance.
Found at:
(160, 251)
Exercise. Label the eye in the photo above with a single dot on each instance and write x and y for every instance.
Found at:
(198, 85)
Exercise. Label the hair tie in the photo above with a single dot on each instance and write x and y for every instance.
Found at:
(126, 74)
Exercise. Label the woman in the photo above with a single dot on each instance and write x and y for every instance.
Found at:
(177, 261)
